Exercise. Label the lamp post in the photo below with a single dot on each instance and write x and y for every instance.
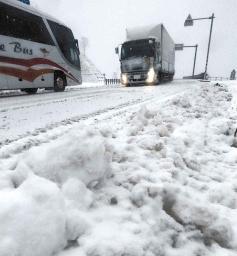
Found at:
(189, 22)
(179, 47)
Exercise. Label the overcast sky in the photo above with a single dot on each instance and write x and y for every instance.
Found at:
(104, 23)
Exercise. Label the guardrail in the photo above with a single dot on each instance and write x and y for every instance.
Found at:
(112, 81)
(218, 78)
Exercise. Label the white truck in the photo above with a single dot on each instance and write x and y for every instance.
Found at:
(147, 56)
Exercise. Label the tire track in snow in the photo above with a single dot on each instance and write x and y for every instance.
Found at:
(56, 98)
(11, 148)
(25, 142)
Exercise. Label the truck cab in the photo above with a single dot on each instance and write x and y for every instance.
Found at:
(140, 61)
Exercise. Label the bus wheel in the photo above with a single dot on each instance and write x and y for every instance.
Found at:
(59, 82)
(30, 90)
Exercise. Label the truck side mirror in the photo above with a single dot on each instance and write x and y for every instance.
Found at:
(117, 50)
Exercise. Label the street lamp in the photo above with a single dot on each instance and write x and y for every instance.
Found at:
(189, 22)
(179, 47)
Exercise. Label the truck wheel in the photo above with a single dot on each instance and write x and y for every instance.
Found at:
(157, 80)
(160, 77)
(30, 90)
(60, 82)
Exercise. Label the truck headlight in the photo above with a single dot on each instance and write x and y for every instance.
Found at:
(151, 76)
(124, 79)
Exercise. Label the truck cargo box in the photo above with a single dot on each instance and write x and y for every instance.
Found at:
(160, 34)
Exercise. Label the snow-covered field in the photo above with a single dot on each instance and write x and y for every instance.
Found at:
(147, 171)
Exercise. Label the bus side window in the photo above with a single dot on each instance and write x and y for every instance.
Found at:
(38, 31)
(2, 20)
(66, 42)
(23, 25)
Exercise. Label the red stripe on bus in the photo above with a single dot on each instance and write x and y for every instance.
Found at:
(35, 61)
(28, 75)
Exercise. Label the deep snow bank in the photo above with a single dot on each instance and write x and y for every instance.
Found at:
(41, 197)
(162, 181)
(30, 217)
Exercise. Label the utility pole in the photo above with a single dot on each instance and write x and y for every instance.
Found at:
(189, 22)
(209, 44)
(195, 57)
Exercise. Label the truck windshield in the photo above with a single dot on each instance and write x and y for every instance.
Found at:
(143, 48)
(66, 42)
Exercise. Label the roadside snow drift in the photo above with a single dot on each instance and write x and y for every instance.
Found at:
(31, 216)
(41, 198)
(159, 181)
(82, 154)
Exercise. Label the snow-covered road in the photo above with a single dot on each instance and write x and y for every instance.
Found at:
(23, 116)
(144, 171)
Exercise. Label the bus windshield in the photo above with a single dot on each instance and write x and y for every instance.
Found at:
(141, 48)
(66, 42)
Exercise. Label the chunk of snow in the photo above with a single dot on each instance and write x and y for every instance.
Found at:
(82, 154)
(32, 219)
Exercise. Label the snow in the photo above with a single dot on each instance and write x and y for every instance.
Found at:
(152, 31)
(82, 154)
(158, 178)
(24, 115)
(30, 216)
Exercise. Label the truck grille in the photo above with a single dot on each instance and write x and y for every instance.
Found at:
(137, 77)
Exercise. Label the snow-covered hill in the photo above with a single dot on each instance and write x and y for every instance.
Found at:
(90, 73)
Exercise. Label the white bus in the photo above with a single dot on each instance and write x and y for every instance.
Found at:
(36, 50)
